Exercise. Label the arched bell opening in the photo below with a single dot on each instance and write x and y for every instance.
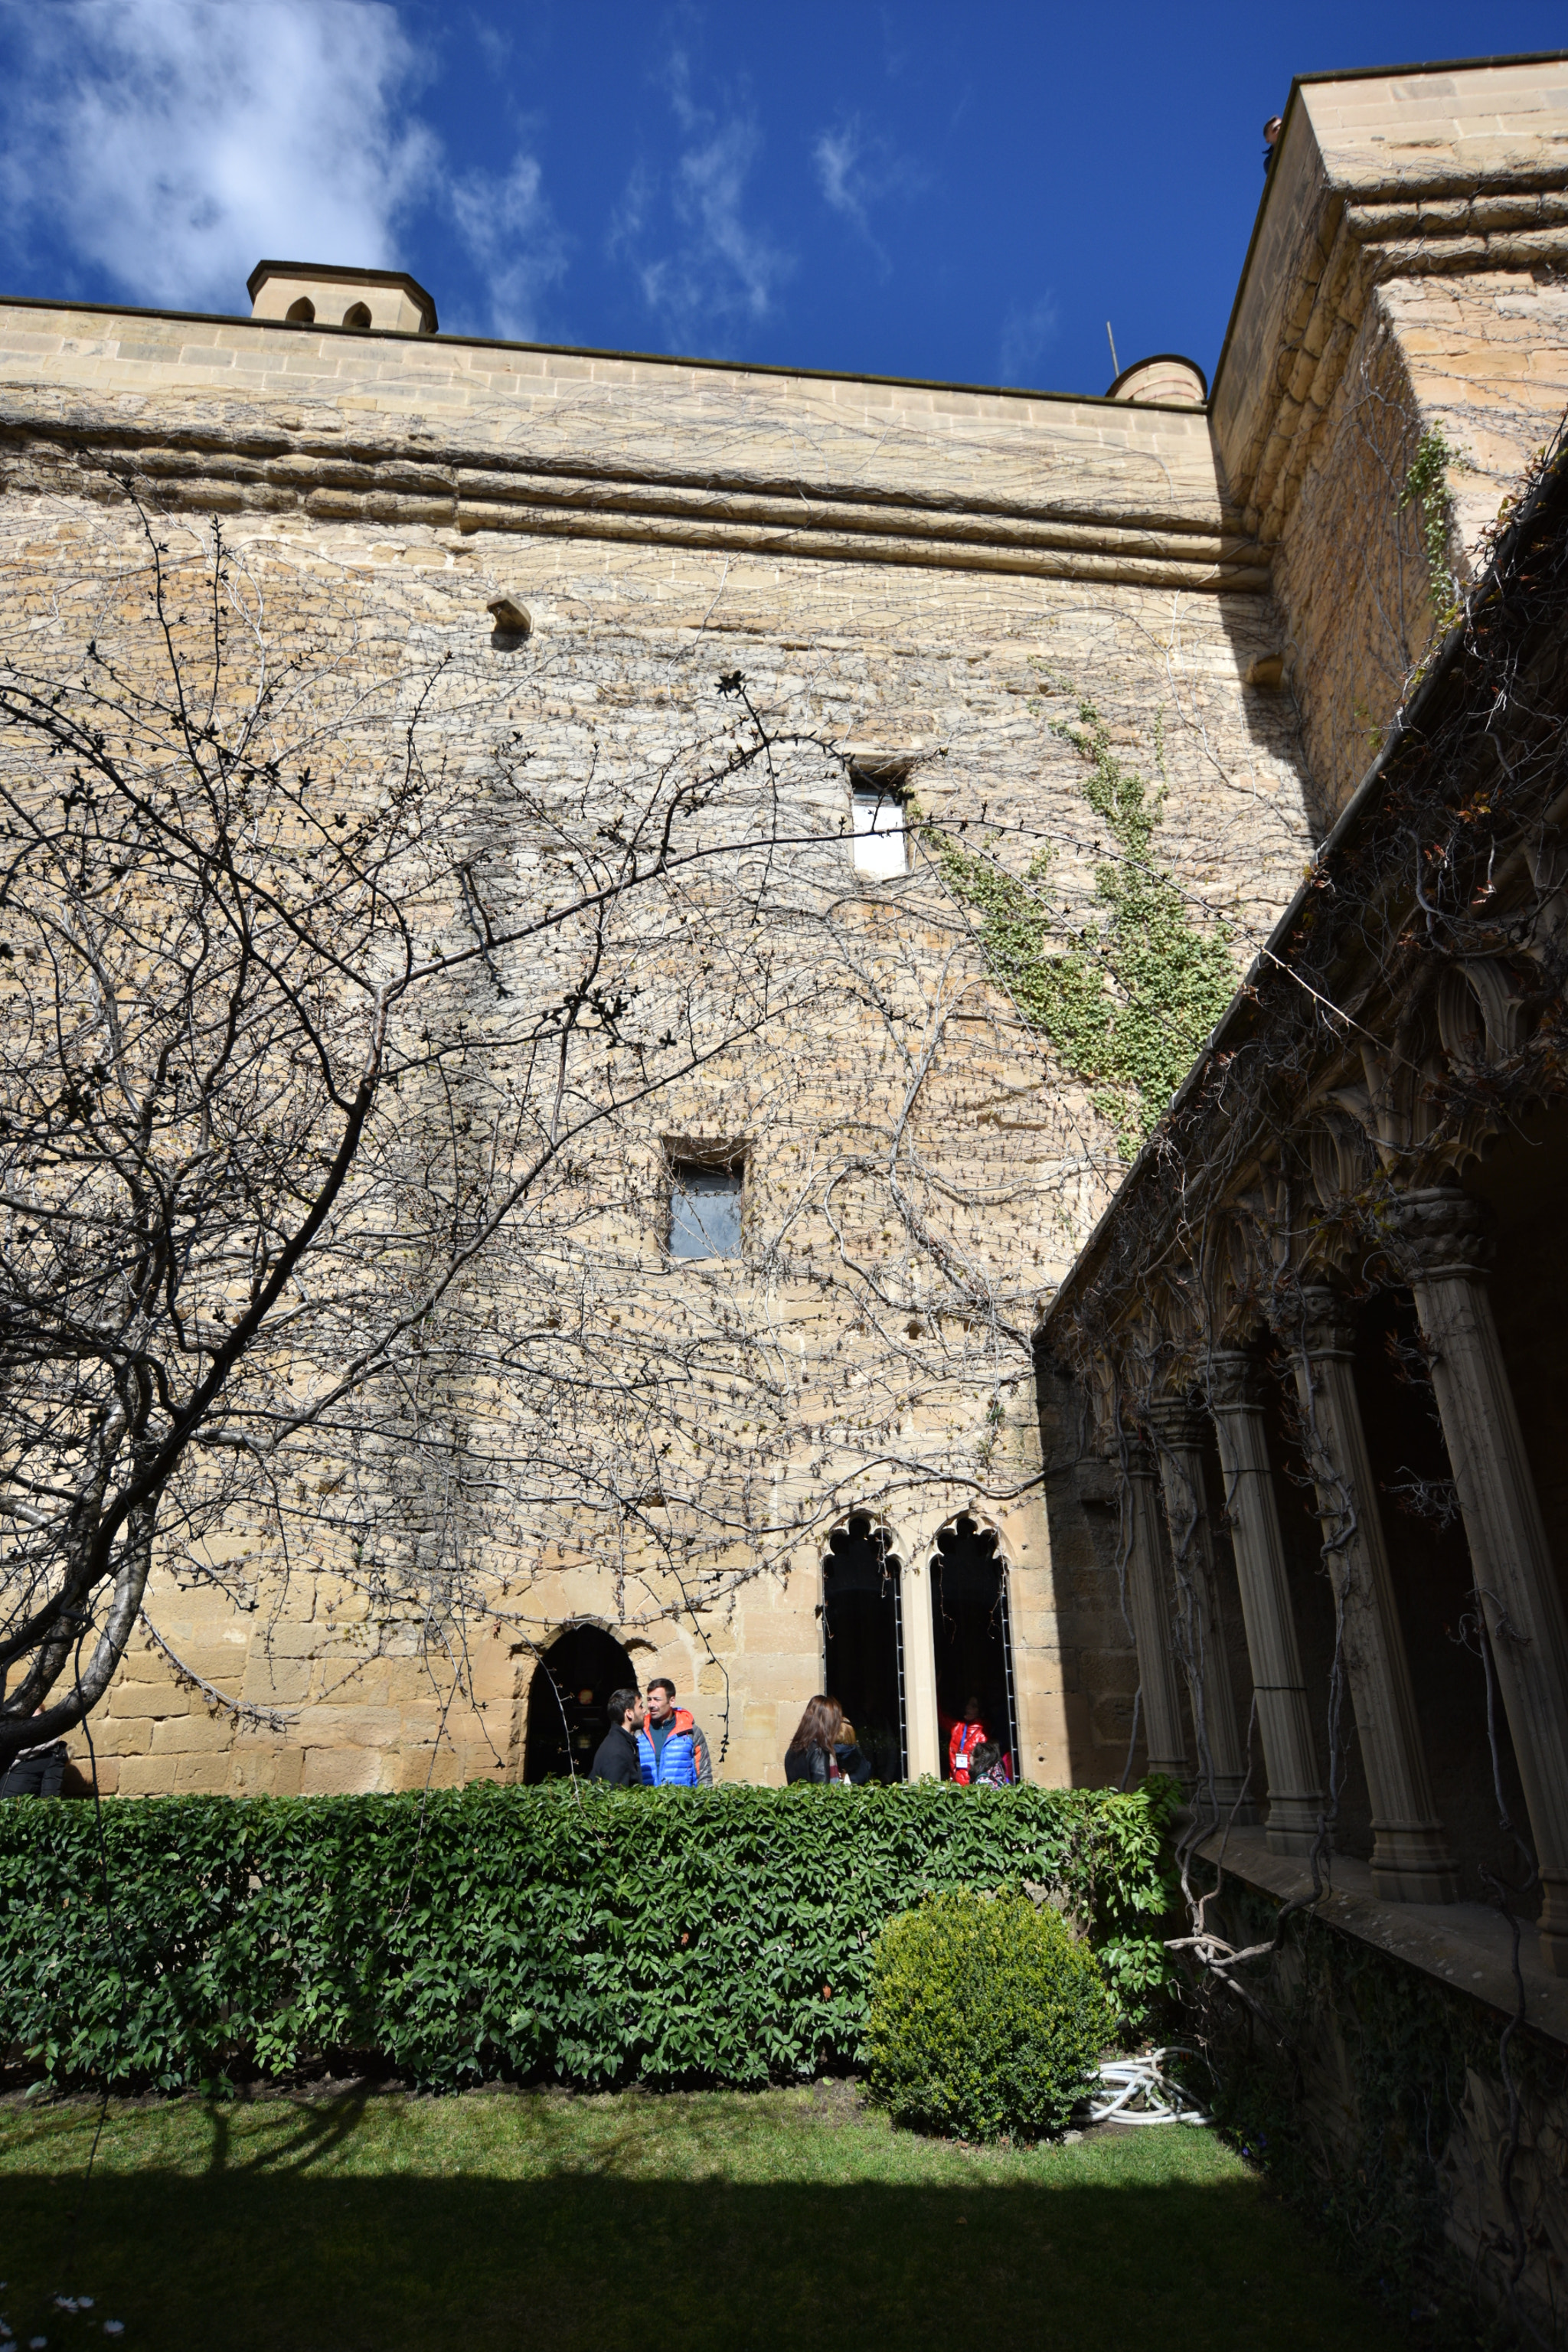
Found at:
(974, 1638)
(568, 1702)
(863, 1637)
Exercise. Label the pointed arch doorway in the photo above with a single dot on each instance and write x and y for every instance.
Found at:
(568, 1701)
(972, 1636)
(863, 1641)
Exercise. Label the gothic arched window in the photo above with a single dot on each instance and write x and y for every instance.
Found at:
(864, 1641)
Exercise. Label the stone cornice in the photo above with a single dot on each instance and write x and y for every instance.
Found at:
(257, 465)
(1376, 238)
(1375, 178)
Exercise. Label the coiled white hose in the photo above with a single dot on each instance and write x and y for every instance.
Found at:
(1136, 2090)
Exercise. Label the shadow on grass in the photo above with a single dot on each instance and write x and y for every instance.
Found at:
(260, 2260)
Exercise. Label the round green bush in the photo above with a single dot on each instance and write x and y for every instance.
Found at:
(987, 2019)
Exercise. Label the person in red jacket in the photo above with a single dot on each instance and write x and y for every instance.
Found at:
(967, 1736)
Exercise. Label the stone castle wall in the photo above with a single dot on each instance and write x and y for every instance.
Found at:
(1406, 274)
(1038, 546)
(914, 572)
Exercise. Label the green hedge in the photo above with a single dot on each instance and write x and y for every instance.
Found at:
(593, 1936)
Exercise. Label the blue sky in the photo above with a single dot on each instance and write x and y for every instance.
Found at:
(964, 192)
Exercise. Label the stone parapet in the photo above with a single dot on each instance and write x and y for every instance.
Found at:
(1404, 293)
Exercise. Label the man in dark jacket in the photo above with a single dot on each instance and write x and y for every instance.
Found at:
(617, 1760)
(37, 1771)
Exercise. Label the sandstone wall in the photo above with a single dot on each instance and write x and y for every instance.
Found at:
(1404, 277)
(918, 573)
(903, 569)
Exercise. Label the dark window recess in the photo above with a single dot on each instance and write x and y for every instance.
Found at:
(973, 1640)
(704, 1211)
(863, 1622)
(568, 1702)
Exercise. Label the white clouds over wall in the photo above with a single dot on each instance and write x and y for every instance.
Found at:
(509, 230)
(698, 259)
(1026, 331)
(172, 143)
(856, 170)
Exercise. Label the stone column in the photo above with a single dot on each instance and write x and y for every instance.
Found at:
(1284, 1721)
(1163, 1740)
(922, 1730)
(1446, 1253)
(1180, 1434)
(1411, 1860)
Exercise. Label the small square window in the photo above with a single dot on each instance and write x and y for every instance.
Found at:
(877, 813)
(705, 1209)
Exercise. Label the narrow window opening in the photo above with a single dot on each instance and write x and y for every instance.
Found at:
(357, 315)
(302, 312)
(973, 1646)
(863, 1639)
(705, 1198)
(879, 838)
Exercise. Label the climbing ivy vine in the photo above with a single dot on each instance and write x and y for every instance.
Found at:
(1126, 1001)
(1427, 489)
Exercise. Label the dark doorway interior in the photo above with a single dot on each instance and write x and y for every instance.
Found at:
(568, 1711)
(865, 1643)
(974, 1641)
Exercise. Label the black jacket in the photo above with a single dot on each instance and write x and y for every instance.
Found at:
(811, 1764)
(617, 1760)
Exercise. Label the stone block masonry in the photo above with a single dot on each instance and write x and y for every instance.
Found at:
(928, 581)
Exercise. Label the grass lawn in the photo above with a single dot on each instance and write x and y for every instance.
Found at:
(371, 2223)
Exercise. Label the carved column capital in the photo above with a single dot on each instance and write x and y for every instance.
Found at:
(1176, 1421)
(1233, 1380)
(1129, 1454)
(1325, 1325)
(1442, 1235)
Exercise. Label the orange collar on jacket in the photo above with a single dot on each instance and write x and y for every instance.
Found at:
(681, 1721)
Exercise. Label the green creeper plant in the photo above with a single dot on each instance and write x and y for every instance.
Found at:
(1427, 489)
(987, 2017)
(1128, 1002)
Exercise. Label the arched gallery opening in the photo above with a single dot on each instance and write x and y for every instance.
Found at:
(864, 1640)
(974, 1639)
(568, 1701)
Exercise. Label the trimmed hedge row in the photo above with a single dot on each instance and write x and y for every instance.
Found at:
(584, 1934)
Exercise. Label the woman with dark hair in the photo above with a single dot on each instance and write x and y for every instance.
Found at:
(820, 1750)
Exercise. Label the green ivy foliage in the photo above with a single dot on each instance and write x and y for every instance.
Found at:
(1127, 1003)
(987, 2017)
(1426, 489)
(582, 1934)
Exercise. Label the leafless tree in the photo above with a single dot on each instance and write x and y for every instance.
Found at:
(267, 1098)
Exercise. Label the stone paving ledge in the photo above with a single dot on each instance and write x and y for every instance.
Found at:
(1467, 1945)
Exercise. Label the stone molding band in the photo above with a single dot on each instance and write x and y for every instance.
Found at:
(1450, 228)
(283, 474)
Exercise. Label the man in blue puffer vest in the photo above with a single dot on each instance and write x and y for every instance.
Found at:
(674, 1751)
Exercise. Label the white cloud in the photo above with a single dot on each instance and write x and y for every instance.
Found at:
(508, 227)
(856, 170)
(173, 143)
(836, 155)
(715, 264)
(1025, 332)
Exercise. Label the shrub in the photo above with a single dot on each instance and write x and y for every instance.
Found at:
(987, 2019)
(584, 1936)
